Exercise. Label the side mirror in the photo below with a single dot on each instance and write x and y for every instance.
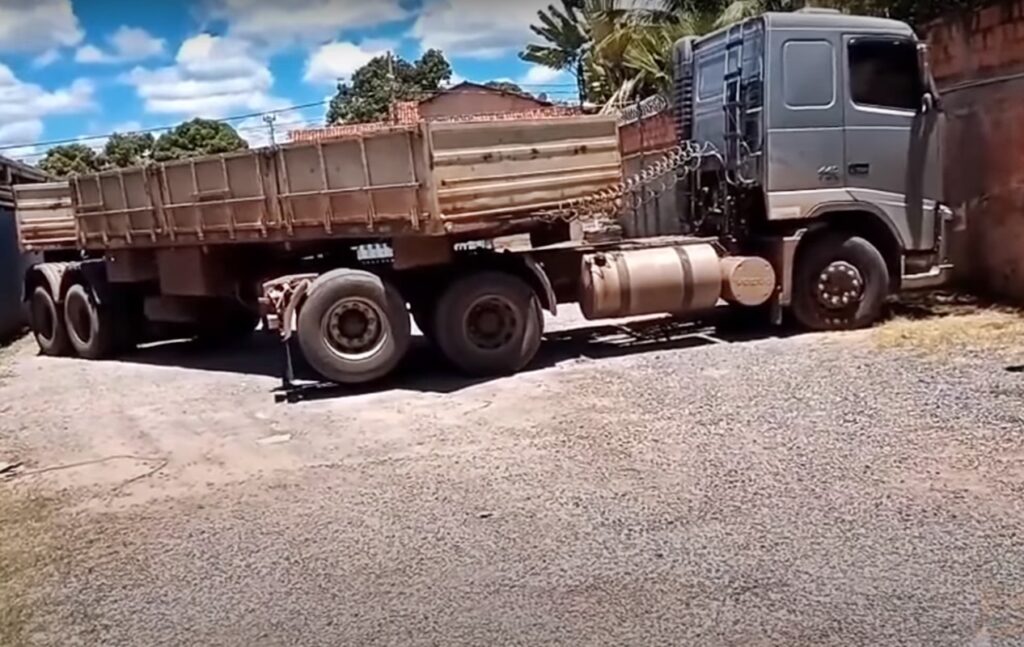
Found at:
(930, 100)
(927, 102)
(924, 64)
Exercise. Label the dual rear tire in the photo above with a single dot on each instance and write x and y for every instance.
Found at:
(48, 325)
(489, 324)
(354, 326)
(79, 326)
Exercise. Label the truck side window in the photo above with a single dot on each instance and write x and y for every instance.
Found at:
(884, 73)
(710, 81)
(808, 74)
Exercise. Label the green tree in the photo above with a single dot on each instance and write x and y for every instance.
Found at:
(70, 159)
(195, 138)
(383, 80)
(621, 51)
(129, 149)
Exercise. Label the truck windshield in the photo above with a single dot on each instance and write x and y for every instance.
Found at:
(884, 73)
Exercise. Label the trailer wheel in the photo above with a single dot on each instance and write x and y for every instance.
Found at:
(48, 324)
(90, 326)
(353, 327)
(489, 324)
(841, 284)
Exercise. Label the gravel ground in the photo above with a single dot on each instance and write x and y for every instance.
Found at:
(815, 490)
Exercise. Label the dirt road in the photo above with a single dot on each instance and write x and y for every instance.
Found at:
(815, 490)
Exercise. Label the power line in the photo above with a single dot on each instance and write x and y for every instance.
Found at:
(233, 118)
(76, 140)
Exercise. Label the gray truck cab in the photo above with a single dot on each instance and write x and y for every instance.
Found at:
(818, 117)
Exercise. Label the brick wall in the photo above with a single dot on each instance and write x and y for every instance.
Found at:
(978, 62)
(405, 113)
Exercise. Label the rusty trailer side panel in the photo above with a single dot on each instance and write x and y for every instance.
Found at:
(486, 169)
(45, 217)
(425, 179)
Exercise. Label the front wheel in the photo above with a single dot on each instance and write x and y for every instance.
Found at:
(489, 324)
(353, 327)
(841, 283)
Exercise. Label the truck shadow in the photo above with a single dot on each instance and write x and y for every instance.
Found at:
(425, 370)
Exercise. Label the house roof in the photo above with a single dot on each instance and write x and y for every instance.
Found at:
(479, 87)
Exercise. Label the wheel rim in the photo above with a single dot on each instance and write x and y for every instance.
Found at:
(355, 328)
(491, 323)
(79, 320)
(840, 286)
(44, 319)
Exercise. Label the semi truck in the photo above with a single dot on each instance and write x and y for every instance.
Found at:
(807, 171)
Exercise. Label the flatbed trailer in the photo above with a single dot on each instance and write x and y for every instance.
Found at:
(822, 209)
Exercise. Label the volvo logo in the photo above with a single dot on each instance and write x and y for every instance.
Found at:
(828, 173)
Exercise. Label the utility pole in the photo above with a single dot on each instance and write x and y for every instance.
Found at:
(392, 109)
(269, 120)
(391, 75)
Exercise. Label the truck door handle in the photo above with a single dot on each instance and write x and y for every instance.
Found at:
(860, 169)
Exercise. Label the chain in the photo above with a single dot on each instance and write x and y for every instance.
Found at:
(605, 204)
(600, 209)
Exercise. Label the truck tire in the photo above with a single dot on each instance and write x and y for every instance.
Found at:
(841, 283)
(489, 324)
(48, 324)
(353, 327)
(91, 327)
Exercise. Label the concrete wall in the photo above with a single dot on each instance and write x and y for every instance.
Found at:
(12, 267)
(979, 65)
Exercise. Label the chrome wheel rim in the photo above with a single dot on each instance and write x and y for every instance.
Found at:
(355, 328)
(840, 286)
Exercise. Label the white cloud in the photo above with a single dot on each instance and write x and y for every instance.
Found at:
(24, 105)
(542, 75)
(339, 60)
(134, 43)
(46, 59)
(127, 44)
(91, 54)
(212, 77)
(476, 28)
(486, 29)
(301, 21)
(18, 132)
(37, 25)
(455, 80)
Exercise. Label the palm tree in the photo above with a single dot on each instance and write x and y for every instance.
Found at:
(619, 52)
(565, 34)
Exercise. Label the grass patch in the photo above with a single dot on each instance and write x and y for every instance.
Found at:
(27, 548)
(938, 323)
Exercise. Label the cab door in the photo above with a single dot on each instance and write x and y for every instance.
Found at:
(891, 147)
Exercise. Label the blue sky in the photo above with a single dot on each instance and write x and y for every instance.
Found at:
(77, 68)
